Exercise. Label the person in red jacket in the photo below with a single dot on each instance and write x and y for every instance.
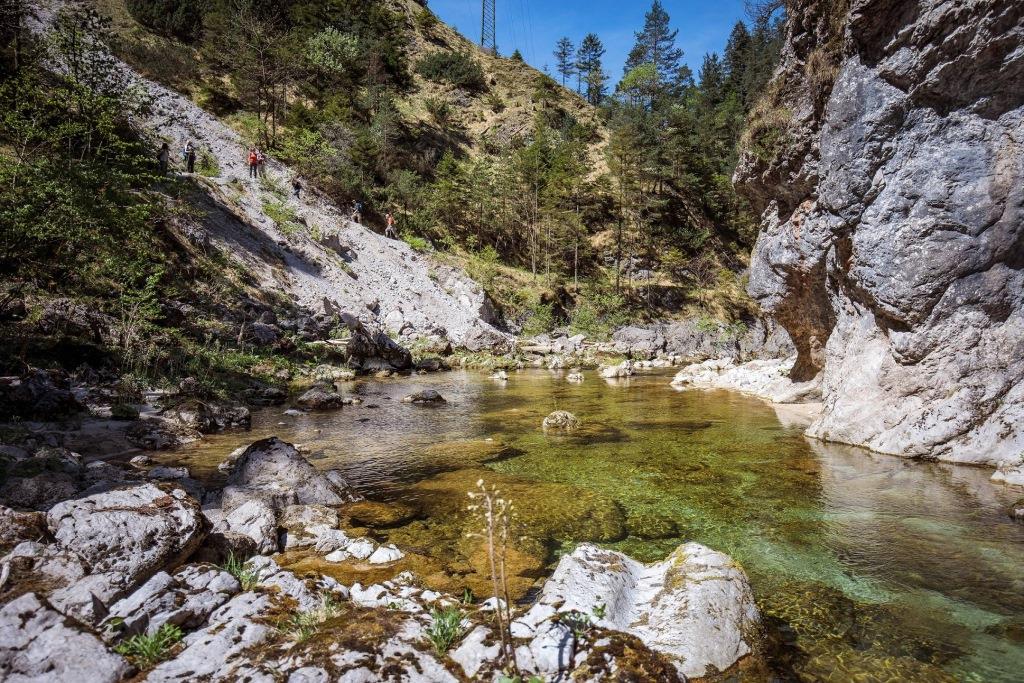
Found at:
(254, 162)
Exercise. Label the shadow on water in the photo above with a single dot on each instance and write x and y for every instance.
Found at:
(865, 567)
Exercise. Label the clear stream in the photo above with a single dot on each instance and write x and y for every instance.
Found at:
(866, 567)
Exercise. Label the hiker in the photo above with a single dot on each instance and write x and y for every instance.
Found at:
(357, 211)
(254, 162)
(296, 187)
(261, 160)
(389, 231)
(190, 158)
(163, 158)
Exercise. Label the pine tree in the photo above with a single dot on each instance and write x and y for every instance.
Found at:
(737, 59)
(656, 44)
(588, 63)
(564, 53)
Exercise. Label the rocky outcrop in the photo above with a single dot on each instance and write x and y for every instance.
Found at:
(767, 379)
(696, 339)
(122, 537)
(888, 160)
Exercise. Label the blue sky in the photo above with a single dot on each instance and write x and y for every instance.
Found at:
(535, 25)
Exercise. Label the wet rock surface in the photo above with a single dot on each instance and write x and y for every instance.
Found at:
(892, 239)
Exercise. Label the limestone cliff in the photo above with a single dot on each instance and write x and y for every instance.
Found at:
(888, 160)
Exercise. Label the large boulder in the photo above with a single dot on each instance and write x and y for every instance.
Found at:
(891, 177)
(369, 348)
(321, 398)
(208, 417)
(695, 607)
(273, 471)
(37, 643)
(124, 536)
(561, 419)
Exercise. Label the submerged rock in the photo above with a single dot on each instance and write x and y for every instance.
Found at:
(319, 398)
(574, 377)
(37, 643)
(695, 607)
(561, 419)
(425, 396)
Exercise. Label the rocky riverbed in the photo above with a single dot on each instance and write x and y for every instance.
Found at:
(145, 554)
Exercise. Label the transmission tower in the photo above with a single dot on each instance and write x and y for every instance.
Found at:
(488, 24)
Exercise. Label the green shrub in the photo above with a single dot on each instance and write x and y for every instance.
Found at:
(180, 18)
(597, 314)
(239, 568)
(426, 20)
(302, 626)
(445, 628)
(440, 111)
(208, 165)
(416, 242)
(333, 51)
(457, 68)
(146, 651)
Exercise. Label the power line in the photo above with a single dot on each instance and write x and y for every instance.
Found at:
(488, 26)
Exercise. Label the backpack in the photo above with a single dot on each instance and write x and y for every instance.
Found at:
(253, 158)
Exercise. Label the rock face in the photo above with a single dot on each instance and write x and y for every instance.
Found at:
(695, 607)
(892, 239)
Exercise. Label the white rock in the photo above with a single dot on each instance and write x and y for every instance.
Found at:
(256, 520)
(337, 556)
(472, 653)
(38, 644)
(695, 606)
(361, 548)
(385, 554)
(623, 369)
(767, 379)
(1010, 472)
(185, 599)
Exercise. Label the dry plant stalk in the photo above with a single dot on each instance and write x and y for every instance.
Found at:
(496, 513)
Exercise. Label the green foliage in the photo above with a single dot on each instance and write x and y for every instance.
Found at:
(283, 215)
(579, 623)
(179, 18)
(445, 628)
(440, 111)
(248, 577)
(416, 242)
(301, 626)
(333, 51)
(598, 313)
(426, 21)
(147, 651)
(457, 68)
(539, 317)
(207, 165)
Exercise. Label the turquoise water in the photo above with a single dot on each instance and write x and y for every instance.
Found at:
(865, 567)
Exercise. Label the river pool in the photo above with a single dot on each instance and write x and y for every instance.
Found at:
(865, 567)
